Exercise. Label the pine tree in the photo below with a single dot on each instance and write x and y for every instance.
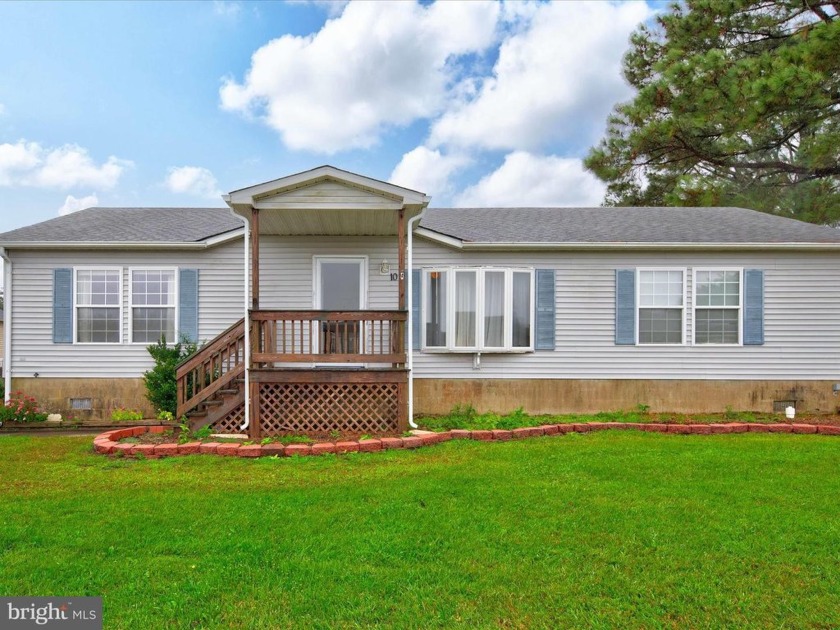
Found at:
(737, 103)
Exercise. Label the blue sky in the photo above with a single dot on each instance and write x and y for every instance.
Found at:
(169, 104)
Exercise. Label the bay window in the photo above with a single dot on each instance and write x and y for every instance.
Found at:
(487, 310)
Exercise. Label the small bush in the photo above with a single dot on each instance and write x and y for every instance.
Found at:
(161, 386)
(121, 414)
(21, 408)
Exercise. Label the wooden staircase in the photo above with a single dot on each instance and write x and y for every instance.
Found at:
(211, 383)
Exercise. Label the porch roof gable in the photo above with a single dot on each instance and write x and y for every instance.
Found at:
(327, 201)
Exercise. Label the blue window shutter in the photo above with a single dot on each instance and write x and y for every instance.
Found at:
(188, 304)
(416, 293)
(625, 307)
(545, 329)
(62, 306)
(753, 307)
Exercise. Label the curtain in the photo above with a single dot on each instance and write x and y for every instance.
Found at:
(465, 301)
(521, 310)
(494, 309)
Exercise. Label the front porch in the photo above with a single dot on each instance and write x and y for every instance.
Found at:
(338, 365)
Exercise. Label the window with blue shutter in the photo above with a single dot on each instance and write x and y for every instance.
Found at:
(545, 317)
(753, 307)
(188, 304)
(625, 307)
(62, 306)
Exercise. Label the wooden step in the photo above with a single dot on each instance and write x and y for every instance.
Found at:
(214, 402)
(228, 392)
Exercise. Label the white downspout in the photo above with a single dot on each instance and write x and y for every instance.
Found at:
(247, 304)
(411, 222)
(7, 323)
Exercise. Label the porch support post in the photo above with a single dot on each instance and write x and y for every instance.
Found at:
(254, 425)
(401, 255)
(399, 338)
(255, 259)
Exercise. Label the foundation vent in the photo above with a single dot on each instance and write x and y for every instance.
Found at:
(779, 406)
(81, 404)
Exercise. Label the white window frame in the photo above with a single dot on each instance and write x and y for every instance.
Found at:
(684, 271)
(131, 305)
(76, 305)
(740, 307)
(480, 271)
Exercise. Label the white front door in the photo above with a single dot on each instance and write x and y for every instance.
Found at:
(340, 285)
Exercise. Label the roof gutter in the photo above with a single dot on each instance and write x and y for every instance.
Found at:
(128, 245)
(456, 243)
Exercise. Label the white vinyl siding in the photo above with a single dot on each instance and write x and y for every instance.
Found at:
(801, 319)
(221, 303)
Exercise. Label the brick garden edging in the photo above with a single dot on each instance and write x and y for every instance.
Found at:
(108, 443)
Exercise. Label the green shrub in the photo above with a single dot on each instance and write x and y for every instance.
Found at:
(121, 414)
(161, 387)
(21, 408)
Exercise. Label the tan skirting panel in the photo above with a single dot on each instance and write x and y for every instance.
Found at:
(537, 396)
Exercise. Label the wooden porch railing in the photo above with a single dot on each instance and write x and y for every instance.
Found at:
(329, 337)
(212, 368)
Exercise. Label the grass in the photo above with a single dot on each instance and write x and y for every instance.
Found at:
(611, 529)
(466, 417)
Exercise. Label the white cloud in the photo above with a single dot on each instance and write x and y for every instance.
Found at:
(555, 80)
(376, 66)
(29, 164)
(428, 171)
(226, 8)
(525, 179)
(73, 204)
(193, 180)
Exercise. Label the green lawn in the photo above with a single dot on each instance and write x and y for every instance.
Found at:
(611, 529)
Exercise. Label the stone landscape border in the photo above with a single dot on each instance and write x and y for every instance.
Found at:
(108, 443)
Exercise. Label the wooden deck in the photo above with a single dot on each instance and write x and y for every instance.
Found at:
(312, 372)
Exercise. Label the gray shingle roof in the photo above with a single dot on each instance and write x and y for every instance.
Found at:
(622, 225)
(479, 225)
(127, 225)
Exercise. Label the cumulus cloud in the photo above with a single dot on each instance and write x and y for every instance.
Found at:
(29, 164)
(555, 80)
(73, 204)
(525, 179)
(193, 180)
(376, 66)
(428, 171)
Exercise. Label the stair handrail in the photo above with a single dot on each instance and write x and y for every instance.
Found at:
(221, 372)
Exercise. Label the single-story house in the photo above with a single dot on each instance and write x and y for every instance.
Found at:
(329, 299)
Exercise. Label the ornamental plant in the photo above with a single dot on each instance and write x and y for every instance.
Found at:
(121, 414)
(21, 408)
(161, 387)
